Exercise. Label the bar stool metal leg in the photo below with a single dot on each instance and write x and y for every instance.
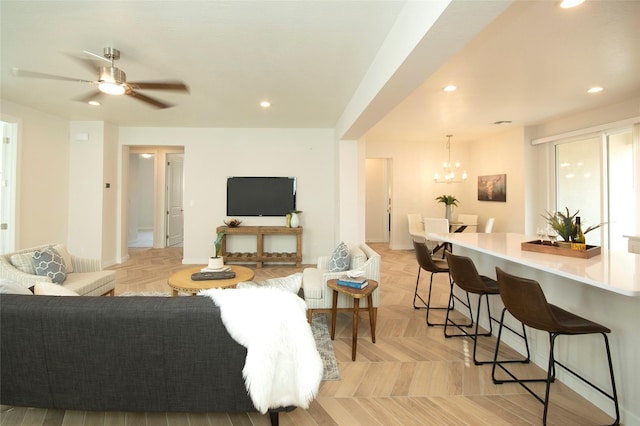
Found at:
(426, 262)
(475, 334)
(429, 307)
(613, 396)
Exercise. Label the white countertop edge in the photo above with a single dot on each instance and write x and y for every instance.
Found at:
(455, 240)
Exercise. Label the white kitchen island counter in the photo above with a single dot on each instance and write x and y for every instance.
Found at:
(604, 289)
(616, 271)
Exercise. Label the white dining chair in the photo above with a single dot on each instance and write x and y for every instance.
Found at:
(416, 227)
(433, 226)
(488, 227)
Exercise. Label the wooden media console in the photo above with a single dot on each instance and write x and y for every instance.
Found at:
(260, 256)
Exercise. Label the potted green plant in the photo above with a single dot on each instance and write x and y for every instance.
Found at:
(448, 200)
(216, 261)
(564, 224)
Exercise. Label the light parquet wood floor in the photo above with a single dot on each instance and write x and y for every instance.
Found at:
(412, 375)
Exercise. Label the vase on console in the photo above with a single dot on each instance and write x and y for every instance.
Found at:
(294, 222)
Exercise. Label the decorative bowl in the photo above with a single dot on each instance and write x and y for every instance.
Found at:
(232, 223)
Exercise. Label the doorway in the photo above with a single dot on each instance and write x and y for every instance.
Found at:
(141, 199)
(154, 203)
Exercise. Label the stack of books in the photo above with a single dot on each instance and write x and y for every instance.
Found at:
(223, 269)
(353, 282)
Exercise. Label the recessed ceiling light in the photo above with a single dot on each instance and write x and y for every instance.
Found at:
(450, 88)
(94, 103)
(566, 4)
(265, 104)
(595, 89)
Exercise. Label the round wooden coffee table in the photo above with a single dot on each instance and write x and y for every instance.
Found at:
(181, 280)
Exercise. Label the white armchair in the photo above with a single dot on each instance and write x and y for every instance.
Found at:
(319, 297)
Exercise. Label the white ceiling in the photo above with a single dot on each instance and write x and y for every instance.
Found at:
(532, 63)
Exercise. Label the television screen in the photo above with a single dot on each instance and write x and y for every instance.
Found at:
(260, 196)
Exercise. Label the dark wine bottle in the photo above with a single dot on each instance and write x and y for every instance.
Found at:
(579, 238)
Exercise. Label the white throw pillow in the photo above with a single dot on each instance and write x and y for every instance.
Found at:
(291, 283)
(8, 286)
(51, 289)
(340, 258)
(66, 257)
(24, 262)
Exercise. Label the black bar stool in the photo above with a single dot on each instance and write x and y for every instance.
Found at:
(524, 299)
(434, 266)
(464, 274)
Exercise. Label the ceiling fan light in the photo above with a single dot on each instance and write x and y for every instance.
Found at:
(112, 81)
(111, 88)
(568, 4)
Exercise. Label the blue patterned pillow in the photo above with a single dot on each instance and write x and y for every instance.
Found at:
(340, 258)
(48, 263)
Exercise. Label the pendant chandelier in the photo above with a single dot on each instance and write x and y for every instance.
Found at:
(451, 170)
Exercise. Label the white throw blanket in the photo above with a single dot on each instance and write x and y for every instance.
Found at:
(283, 366)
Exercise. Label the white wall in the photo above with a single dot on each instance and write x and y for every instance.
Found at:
(109, 252)
(211, 155)
(86, 169)
(42, 193)
(501, 153)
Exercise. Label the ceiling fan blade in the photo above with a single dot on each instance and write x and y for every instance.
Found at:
(154, 102)
(102, 58)
(93, 96)
(89, 64)
(160, 85)
(34, 74)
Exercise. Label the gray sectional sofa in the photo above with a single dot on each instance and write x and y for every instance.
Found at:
(137, 354)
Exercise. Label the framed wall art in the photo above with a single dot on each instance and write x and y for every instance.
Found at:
(492, 188)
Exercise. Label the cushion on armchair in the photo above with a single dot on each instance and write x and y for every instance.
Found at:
(340, 258)
(358, 257)
(48, 263)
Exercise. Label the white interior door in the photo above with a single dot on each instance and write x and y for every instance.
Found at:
(175, 211)
(378, 200)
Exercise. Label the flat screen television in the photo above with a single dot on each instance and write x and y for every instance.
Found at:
(260, 196)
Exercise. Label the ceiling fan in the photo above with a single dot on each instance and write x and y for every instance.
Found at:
(111, 80)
